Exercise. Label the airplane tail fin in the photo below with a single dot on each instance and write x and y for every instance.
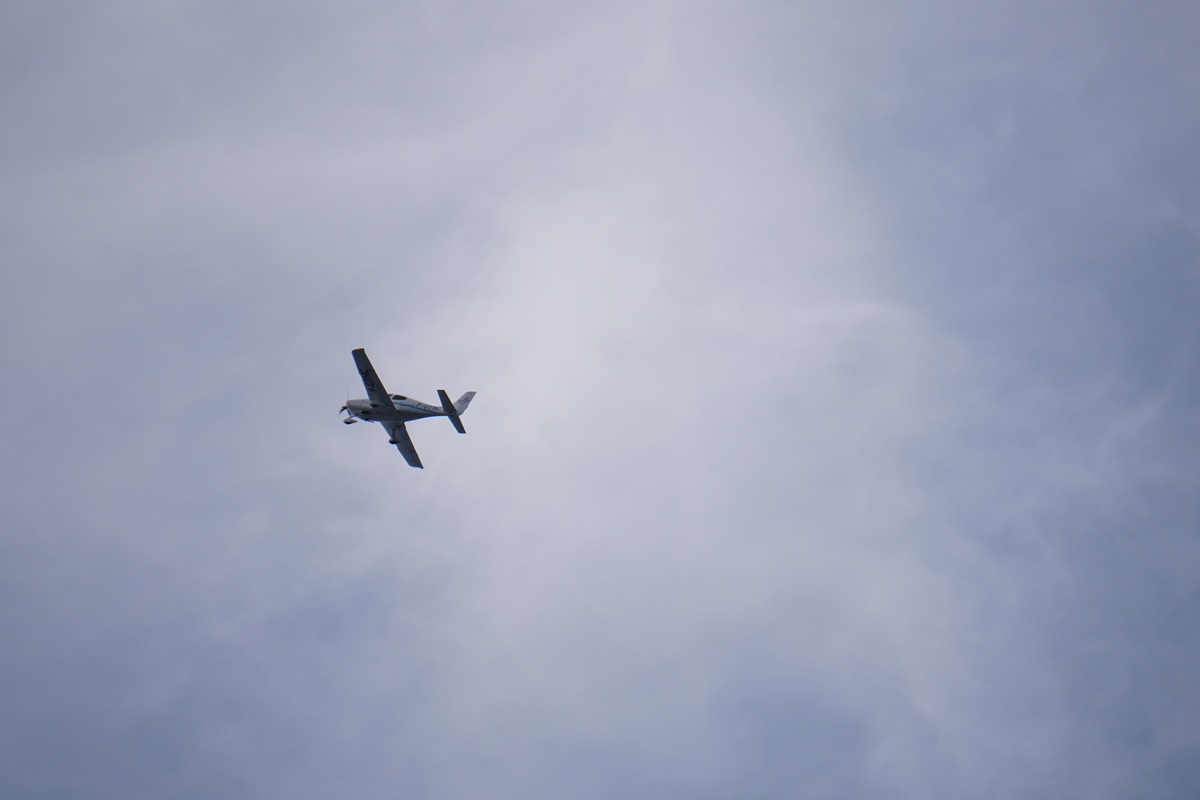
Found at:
(452, 411)
(460, 405)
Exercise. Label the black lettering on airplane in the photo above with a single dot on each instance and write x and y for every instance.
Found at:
(366, 376)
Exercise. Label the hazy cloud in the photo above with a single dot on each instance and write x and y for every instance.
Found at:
(836, 433)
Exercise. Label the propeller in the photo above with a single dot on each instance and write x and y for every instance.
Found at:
(350, 420)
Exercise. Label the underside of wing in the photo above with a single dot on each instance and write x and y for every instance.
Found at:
(398, 435)
(371, 382)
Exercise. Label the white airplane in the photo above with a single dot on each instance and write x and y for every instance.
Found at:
(393, 410)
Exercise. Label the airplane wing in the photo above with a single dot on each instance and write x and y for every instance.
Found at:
(371, 382)
(398, 435)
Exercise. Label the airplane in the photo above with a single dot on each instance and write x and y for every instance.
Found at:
(393, 410)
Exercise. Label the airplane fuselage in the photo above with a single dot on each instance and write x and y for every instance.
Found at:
(403, 409)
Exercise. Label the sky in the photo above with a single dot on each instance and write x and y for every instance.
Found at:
(837, 432)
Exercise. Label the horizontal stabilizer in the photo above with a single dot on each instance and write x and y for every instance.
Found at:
(451, 411)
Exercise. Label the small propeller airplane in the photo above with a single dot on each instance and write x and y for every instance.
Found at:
(393, 410)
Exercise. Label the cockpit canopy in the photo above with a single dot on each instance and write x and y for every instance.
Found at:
(399, 397)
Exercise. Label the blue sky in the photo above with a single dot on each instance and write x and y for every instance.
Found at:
(836, 433)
